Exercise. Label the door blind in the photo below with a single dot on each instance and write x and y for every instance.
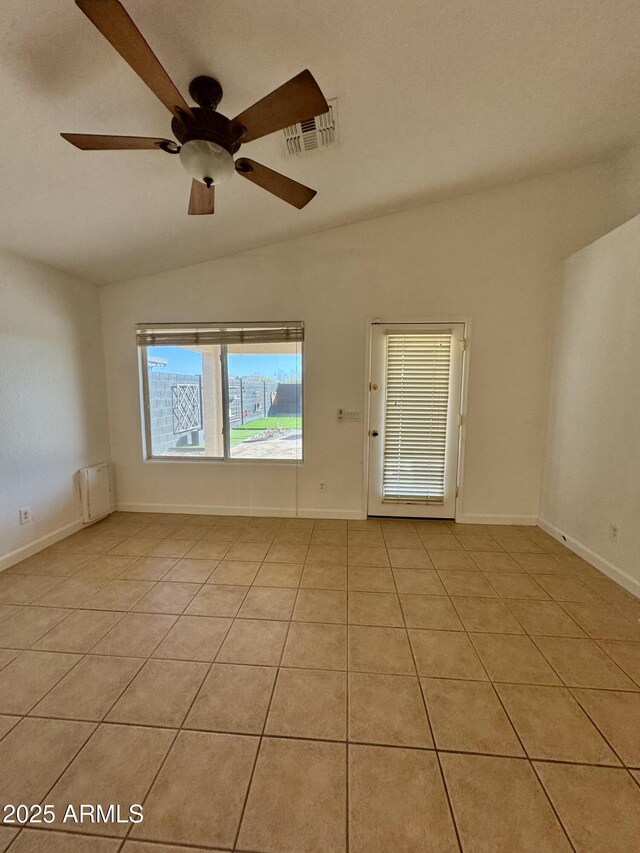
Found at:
(416, 409)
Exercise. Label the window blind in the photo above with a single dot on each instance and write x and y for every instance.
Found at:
(416, 408)
(195, 334)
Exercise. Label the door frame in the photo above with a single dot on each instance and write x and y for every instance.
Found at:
(462, 434)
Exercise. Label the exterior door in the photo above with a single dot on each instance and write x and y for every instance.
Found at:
(414, 419)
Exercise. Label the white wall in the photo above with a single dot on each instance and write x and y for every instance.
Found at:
(53, 417)
(592, 467)
(488, 257)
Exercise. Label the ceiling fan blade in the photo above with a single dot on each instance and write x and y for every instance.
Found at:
(285, 188)
(113, 21)
(295, 101)
(201, 200)
(97, 142)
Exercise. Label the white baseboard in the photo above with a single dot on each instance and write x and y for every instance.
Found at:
(262, 511)
(31, 548)
(607, 568)
(530, 520)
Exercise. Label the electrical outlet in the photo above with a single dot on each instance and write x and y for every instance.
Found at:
(26, 516)
(322, 485)
(614, 532)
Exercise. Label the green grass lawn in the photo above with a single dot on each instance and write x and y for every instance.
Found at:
(239, 434)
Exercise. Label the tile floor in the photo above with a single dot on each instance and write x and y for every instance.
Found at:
(299, 686)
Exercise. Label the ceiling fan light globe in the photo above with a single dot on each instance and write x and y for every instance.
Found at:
(206, 160)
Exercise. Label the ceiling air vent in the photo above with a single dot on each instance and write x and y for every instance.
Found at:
(312, 134)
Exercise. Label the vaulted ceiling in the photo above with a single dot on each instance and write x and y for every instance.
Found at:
(435, 97)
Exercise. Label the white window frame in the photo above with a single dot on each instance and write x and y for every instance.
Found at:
(145, 403)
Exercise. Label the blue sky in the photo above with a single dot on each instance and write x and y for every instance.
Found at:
(187, 361)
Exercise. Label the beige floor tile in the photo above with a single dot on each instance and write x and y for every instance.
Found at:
(331, 536)
(26, 679)
(383, 650)
(478, 542)
(401, 538)
(515, 585)
(440, 542)
(500, 806)
(160, 694)
(445, 654)
(147, 569)
(194, 638)
(552, 726)
(256, 535)
(7, 655)
(7, 723)
(284, 553)
(297, 799)
(545, 618)
(171, 598)
(33, 841)
(374, 608)
(581, 663)
(27, 625)
(371, 579)
(23, 589)
(72, 592)
(468, 584)
(487, 615)
(566, 588)
(430, 611)
(409, 558)
(117, 765)
(617, 716)
(135, 635)
(135, 546)
(217, 600)
(513, 659)
(172, 547)
(328, 555)
(495, 561)
(184, 806)
(387, 709)
(598, 806)
(118, 595)
(205, 550)
(233, 698)
(467, 716)
(34, 754)
(367, 538)
(191, 571)
(106, 566)
(626, 655)
(397, 802)
(235, 573)
(363, 555)
(419, 582)
(609, 590)
(288, 536)
(309, 703)
(268, 602)
(517, 544)
(89, 690)
(279, 574)
(7, 610)
(603, 621)
(324, 577)
(540, 563)
(254, 641)
(78, 632)
(313, 645)
(321, 605)
(248, 551)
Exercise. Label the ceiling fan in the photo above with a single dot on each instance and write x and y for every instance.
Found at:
(208, 139)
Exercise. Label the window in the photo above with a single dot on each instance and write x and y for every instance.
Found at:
(222, 391)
